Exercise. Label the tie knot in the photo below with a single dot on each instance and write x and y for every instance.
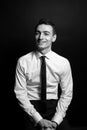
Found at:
(43, 57)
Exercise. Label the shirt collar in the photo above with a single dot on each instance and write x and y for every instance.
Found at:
(47, 55)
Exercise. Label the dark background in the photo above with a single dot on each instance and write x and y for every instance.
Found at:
(18, 19)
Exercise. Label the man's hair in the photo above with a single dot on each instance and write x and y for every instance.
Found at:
(46, 22)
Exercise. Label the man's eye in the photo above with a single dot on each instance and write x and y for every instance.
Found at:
(46, 34)
(37, 33)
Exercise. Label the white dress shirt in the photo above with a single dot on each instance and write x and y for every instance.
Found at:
(28, 86)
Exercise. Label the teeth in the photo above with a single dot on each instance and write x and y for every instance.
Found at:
(42, 41)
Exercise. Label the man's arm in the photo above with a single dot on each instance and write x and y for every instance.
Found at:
(21, 92)
(66, 84)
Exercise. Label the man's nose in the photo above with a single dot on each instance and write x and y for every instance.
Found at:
(41, 36)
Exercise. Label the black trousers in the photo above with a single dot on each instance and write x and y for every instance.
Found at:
(47, 110)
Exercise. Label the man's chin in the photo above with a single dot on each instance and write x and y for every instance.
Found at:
(40, 48)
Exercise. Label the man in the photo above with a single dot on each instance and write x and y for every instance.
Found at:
(47, 113)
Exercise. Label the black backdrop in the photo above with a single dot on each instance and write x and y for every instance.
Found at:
(18, 19)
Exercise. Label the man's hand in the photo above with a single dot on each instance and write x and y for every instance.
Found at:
(47, 125)
(54, 125)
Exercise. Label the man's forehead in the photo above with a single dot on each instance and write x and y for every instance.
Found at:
(44, 27)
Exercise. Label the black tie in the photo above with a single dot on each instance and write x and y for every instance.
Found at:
(43, 78)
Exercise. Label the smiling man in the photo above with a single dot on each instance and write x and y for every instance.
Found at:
(38, 76)
(44, 36)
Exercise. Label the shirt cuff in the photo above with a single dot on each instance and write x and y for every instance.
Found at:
(37, 117)
(57, 118)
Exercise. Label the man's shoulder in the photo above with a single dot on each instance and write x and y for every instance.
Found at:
(59, 57)
(61, 61)
(26, 58)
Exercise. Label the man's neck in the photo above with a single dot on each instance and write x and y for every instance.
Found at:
(44, 51)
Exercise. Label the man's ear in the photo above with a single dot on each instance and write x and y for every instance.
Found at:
(54, 38)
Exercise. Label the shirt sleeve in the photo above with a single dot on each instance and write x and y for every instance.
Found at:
(66, 84)
(21, 93)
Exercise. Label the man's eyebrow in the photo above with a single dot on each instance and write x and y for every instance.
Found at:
(46, 31)
(43, 31)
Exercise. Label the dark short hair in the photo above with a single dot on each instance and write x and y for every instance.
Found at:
(47, 22)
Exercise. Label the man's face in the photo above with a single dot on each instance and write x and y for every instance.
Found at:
(44, 36)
